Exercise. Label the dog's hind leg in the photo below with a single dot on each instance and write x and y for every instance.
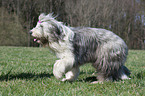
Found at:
(62, 66)
(72, 75)
(124, 73)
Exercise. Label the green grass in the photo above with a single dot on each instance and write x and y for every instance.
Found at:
(28, 71)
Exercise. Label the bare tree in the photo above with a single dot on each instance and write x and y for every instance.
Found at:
(124, 17)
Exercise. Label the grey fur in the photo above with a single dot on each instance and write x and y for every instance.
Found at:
(90, 45)
(105, 50)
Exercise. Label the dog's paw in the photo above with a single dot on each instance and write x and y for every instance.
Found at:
(97, 82)
(64, 79)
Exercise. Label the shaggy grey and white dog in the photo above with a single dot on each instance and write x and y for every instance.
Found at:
(76, 46)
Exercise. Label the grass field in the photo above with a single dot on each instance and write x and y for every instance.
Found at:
(28, 72)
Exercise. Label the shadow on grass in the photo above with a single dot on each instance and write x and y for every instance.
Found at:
(88, 79)
(22, 76)
(138, 75)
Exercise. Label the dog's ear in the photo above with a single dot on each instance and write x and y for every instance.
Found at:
(57, 32)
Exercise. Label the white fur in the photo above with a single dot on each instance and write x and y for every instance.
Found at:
(62, 66)
(66, 61)
(65, 64)
(72, 75)
(124, 76)
(40, 32)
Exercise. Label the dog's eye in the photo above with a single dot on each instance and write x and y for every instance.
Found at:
(41, 26)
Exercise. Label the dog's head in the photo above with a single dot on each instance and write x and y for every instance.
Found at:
(47, 29)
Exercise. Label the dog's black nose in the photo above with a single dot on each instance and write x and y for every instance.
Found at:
(30, 32)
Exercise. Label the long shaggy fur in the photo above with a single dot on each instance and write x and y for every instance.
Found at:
(76, 46)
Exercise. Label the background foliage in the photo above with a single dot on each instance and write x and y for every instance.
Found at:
(126, 18)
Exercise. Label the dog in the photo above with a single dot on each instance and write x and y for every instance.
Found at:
(76, 46)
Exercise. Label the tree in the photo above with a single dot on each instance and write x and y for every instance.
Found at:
(126, 18)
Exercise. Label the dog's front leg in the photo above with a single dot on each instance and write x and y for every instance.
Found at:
(61, 67)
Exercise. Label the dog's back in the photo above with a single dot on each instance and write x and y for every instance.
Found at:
(103, 48)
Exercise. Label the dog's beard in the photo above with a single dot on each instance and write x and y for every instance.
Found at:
(42, 41)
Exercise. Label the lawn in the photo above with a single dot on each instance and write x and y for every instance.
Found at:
(28, 72)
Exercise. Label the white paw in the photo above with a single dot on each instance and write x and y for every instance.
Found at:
(96, 82)
(64, 79)
(124, 76)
